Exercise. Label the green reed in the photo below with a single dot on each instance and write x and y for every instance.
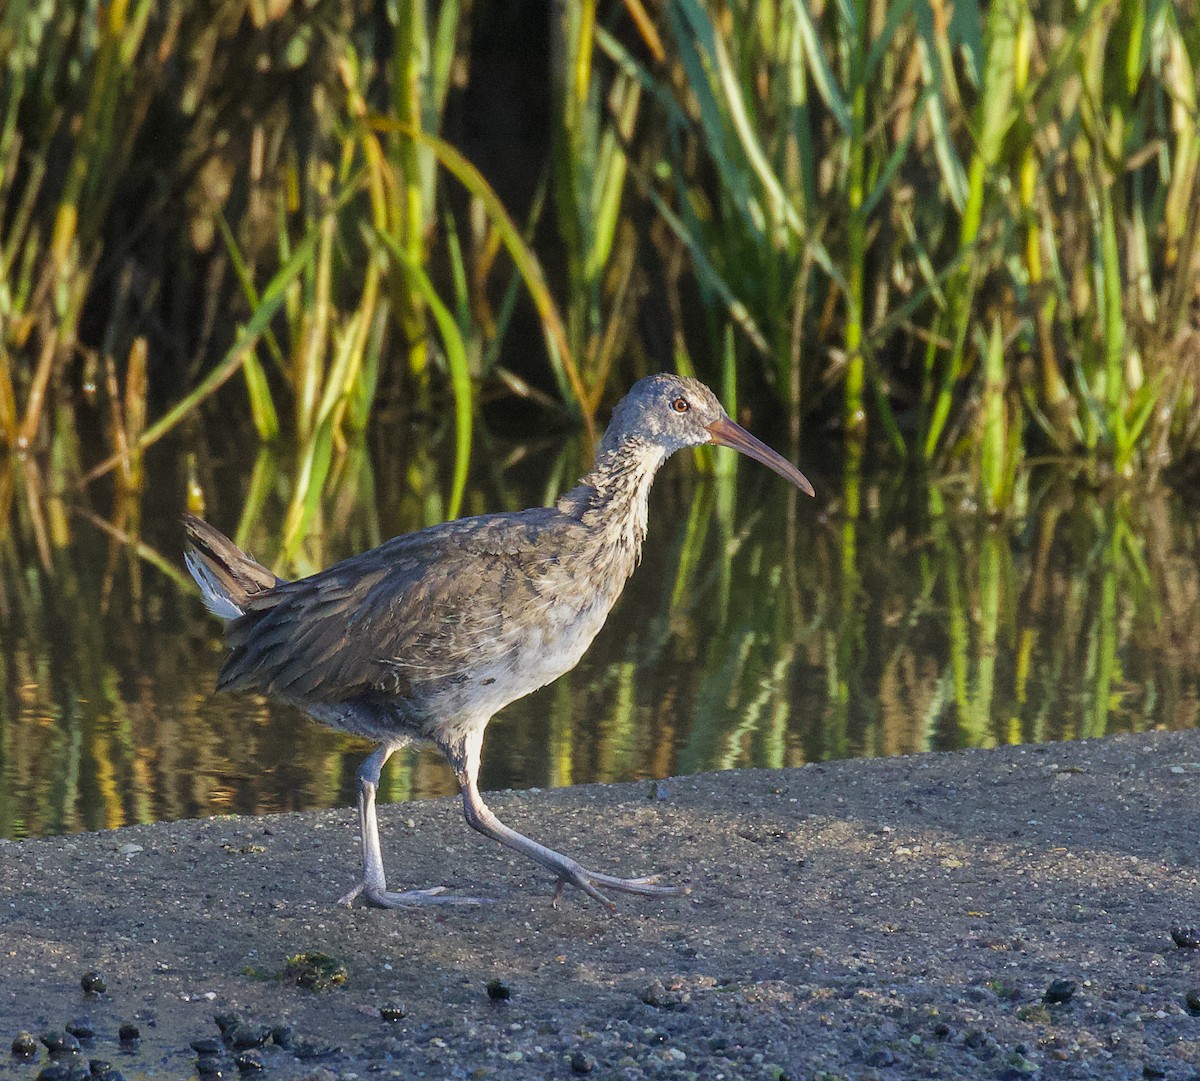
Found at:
(595, 123)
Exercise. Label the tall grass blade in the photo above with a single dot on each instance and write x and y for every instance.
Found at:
(994, 426)
(522, 256)
(460, 380)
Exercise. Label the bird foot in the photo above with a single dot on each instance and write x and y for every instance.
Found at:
(376, 897)
(591, 881)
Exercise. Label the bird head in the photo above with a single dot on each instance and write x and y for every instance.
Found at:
(676, 412)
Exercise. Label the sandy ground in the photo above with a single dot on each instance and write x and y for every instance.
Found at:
(898, 918)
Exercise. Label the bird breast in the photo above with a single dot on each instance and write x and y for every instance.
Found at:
(539, 631)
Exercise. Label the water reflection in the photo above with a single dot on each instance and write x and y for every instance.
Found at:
(762, 629)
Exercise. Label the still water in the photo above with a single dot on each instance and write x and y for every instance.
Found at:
(762, 629)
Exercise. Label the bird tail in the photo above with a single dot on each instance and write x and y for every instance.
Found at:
(228, 578)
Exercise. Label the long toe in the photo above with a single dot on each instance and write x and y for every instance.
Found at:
(642, 887)
(592, 881)
(437, 895)
(415, 898)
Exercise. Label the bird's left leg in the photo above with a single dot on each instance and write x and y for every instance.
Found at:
(463, 752)
(373, 887)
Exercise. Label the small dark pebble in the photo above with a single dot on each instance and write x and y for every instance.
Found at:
(249, 1036)
(718, 1043)
(129, 1032)
(1186, 937)
(104, 1071)
(227, 1022)
(81, 1028)
(56, 1071)
(881, 1057)
(1192, 998)
(941, 1030)
(24, 1045)
(1059, 991)
(208, 1066)
(498, 990)
(656, 995)
(206, 1045)
(250, 1061)
(309, 1049)
(93, 983)
(1020, 1065)
(582, 1062)
(398, 1011)
(283, 1036)
(60, 1043)
(1150, 1070)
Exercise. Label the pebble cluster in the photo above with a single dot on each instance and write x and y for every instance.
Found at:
(248, 1045)
(66, 1049)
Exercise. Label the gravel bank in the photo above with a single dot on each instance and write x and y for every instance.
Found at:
(895, 918)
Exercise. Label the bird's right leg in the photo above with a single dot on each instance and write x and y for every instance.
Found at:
(463, 754)
(373, 887)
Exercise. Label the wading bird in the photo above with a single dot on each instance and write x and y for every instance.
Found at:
(429, 635)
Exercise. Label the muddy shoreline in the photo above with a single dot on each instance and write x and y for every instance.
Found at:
(877, 919)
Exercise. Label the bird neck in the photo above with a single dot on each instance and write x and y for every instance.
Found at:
(613, 497)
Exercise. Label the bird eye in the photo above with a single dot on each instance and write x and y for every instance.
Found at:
(680, 405)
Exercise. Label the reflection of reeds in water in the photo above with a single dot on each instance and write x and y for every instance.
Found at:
(755, 635)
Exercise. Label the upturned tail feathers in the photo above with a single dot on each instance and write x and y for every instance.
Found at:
(227, 577)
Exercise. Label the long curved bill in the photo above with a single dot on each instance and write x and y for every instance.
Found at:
(725, 433)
